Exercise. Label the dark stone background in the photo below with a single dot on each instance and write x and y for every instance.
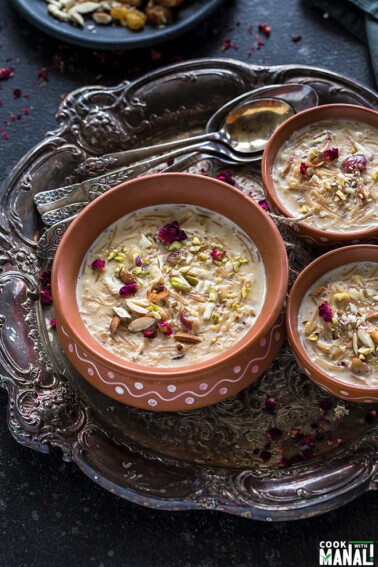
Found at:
(51, 515)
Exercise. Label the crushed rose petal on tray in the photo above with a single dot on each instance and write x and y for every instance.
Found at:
(171, 292)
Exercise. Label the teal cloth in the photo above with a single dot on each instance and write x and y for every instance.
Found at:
(358, 16)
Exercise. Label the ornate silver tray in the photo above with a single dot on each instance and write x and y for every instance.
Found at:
(231, 456)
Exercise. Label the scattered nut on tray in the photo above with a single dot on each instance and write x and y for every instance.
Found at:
(133, 14)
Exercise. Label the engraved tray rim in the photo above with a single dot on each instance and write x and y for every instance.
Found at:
(43, 412)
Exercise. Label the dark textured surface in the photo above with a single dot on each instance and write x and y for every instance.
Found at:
(51, 514)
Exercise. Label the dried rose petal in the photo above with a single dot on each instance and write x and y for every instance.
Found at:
(150, 334)
(296, 433)
(46, 296)
(165, 328)
(138, 261)
(265, 456)
(264, 204)
(265, 29)
(270, 405)
(273, 433)
(6, 73)
(129, 289)
(371, 416)
(351, 164)
(283, 463)
(325, 405)
(98, 264)
(325, 312)
(226, 177)
(171, 232)
(296, 38)
(45, 277)
(185, 319)
(53, 323)
(303, 169)
(218, 254)
(331, 154)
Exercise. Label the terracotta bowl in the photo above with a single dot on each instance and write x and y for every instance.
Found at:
(307, 278)
(310, 235)
(192, 386)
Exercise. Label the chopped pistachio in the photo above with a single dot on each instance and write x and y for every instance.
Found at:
(175, 245)
(375, 175)
(327, 184)
(248, 284)
(120, 257)
(123, 249)
(119, 268)
(137, 270)
(244, 261)
(313, 337)
(304, 209)
(217, 262)
(192, 280)
(236, 266)
(365, 350)
(231, 295)
(196, 240)
(203, 256)
(154, 307)
(334, 320)
(215, 317)
(181, 284)
(213, 296)
(217, 246)
(112, 255)
(219, 280)
(194, 248)
(203, 221)
(244, 292)
(341, 195)
(341, 296)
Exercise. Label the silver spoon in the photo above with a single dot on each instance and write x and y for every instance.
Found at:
(244, 125)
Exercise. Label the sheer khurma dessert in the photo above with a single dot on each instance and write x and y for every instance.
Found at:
(165, 292)
(338, 323)
(328, 172)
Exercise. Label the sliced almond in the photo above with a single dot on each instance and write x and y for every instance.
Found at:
(87, 7)
(359, 367)
(141, 324)
(114, 324)
(187, 338)
(122, 313)
(365, 338)
(136, 309)
(126, 277)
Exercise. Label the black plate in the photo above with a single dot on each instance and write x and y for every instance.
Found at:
(115, 37)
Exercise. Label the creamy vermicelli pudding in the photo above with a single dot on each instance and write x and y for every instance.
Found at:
(338, 323)
(171, 285)
(328, 172)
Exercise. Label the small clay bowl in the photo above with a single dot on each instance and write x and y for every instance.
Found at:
(315, 270)
(311, 235)
(192, 386)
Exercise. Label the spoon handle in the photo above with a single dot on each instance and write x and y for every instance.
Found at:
(127, 157)
(50, 202)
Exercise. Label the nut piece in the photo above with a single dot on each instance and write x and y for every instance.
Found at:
(371, 315)
(359, 367)
(102, 18)
(157, 297)
(141, 324)
(187, 338)
(121, 312)
(126, 277)
(136, 309)
(158, 15)
(114, 324)
(87, 7)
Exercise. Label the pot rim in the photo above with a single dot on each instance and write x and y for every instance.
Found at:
(289, 127)
(296, 297)
(120, 365)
